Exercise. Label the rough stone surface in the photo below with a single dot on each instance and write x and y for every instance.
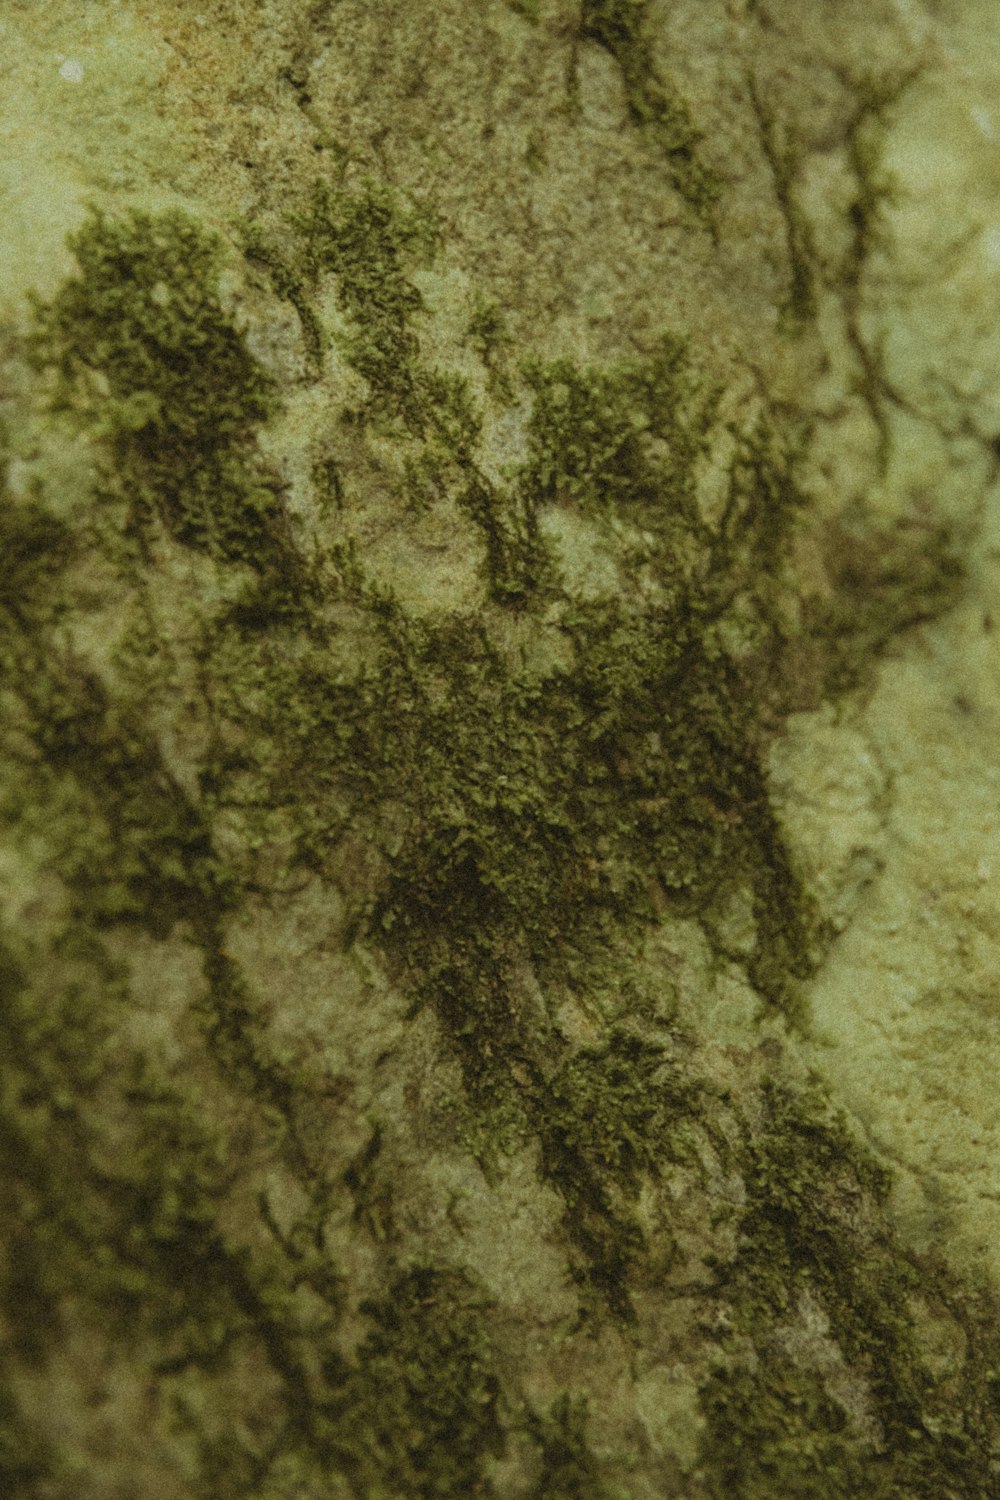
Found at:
(499, 857)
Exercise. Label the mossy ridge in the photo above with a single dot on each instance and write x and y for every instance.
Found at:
(36, 547)
(126, 1226)
(617, 26)
(488, 335)
(131, 846)
(124, 835)
(815, 1224)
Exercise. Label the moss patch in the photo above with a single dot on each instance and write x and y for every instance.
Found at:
(814, 1227)
(417, 1411)
(143, 349)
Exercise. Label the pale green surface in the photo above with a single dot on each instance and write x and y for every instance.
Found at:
(908, 1000)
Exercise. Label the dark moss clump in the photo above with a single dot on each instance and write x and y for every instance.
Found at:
(488, 335)
(814, 1231)
(777, 1431)
(607, 1120)
(125, 837)
(623, 440)
(36, 548)
(569, 1470)
(366, 239)
(546, 810)
(146, 356)
(617, 26)
(415, 1414)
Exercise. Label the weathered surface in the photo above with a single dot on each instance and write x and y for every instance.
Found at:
(485, 782)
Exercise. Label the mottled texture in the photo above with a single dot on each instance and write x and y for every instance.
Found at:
(497, 770)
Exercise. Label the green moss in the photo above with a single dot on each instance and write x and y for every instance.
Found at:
(521, 829)
(122, 832)
(514, 818)
(625, 438)
(569, 1470)
(778, 1432)
(609, 1118)
(542, 819)
(289, 282)
(36, 548)
(147, 358)
(487, 333)
(814, 1226)
(529, 819)
(365, 238)
(113, 1180)
(114, 1211)
(618, 27)
(415, 1414)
